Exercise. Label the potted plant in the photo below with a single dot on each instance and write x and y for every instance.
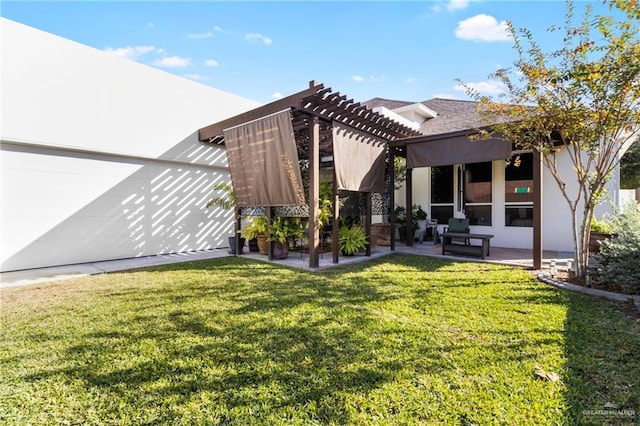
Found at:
(417, 215)
(351, 240)
(226, 201)
(419, 220)
(284, 231)
(257, 228)
(400, 215)
(600, 230)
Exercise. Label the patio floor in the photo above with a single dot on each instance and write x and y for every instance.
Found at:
(515, 257)
(506, 256)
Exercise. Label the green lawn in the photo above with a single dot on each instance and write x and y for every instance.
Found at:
(398, 340)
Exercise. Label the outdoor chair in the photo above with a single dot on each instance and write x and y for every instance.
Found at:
(460, 226)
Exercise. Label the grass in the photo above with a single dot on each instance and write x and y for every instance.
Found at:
(398, 340)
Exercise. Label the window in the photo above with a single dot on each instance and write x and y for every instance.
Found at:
(477, 193)
(442, 193)
(519, 190)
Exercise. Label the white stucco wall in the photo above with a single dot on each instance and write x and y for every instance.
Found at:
(100, 157)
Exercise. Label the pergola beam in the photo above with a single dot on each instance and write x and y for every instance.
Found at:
(209, 132)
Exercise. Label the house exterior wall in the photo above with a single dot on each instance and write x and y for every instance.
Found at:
(557, 226)
(99, 155)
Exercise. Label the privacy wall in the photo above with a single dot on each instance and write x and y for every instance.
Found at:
(99, 155)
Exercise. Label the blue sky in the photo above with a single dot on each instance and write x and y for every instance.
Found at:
(263, 50)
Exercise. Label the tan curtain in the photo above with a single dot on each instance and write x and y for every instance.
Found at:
(456, 150)
(358, 159)
(263, 162)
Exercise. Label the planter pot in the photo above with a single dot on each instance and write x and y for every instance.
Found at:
(594, 240)
(280, 250)
(263, 245)
(232, 245)
(380, 234)
(253, 245)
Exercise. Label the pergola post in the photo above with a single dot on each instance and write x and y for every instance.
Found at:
(409, 199)
(392, 199)
(335, 227)
(537, 210)
(367, 222)
(236, 228)
(269, 225)
(314, 192)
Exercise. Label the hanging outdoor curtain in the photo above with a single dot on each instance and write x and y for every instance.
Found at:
(359, 159)
(263, 162)
(455, 150)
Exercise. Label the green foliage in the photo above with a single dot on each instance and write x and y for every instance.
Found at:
(417, 212)
(602, 226)
(351, 240)
(227, 200)
(257, 225)
(399, 172)
(285, 229)
(399, 340)
(618, 256)
(326, 205)
(582, 98)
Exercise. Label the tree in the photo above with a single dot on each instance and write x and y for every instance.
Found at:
(582, 98)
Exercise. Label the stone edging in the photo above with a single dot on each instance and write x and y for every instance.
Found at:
(608, 295)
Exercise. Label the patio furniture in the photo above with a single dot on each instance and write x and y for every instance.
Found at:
(482, 250)
(432, 230)
(456, 225)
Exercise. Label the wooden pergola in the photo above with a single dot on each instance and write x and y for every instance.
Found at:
(313, 112)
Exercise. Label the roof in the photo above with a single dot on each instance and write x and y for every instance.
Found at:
(321, 102)
(453, 115)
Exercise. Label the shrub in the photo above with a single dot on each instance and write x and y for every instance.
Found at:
(602, 226)
(351, 240)
(619, 256)
(257, 225)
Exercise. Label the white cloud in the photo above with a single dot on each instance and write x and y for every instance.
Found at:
(151, 24)
(198, 36)
(130, 52)
(482, 28)
(211, 63)
(276, 95)
(196, 77)
(256, 37)
(172, 62)
(371, 78)
(488, 87)
(451, 5)
(218, 29)
(410, 80)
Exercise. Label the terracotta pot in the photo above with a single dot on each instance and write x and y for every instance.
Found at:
(263, 245)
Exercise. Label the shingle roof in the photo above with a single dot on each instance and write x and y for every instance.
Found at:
(453, 115)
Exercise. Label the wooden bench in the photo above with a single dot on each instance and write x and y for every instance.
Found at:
(481, 250)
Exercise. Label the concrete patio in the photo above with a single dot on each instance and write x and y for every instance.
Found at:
(506, 256)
